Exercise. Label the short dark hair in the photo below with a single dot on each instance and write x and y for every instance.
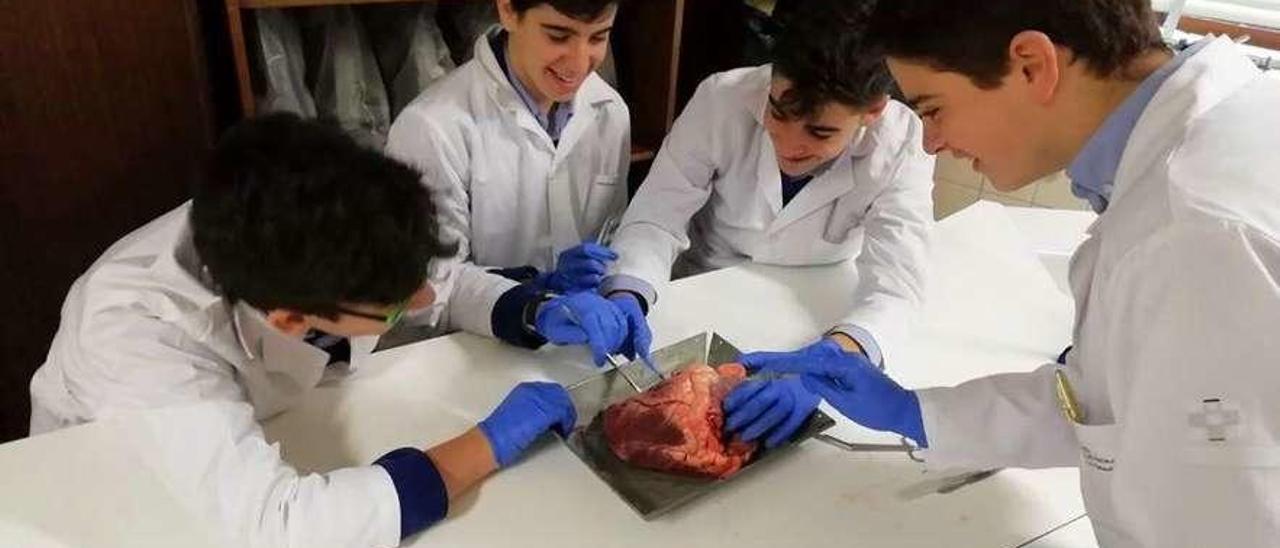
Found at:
(294, 214)
(582, 10)
(822, 52)
(971, 37)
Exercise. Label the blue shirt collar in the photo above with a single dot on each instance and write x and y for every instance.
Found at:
(1093, 172)
(555, 120)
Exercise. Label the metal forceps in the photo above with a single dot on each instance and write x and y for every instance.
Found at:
(616, 362)
(604, 237)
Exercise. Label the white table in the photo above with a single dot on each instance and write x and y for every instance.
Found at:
(1074, 534)
(84, 486)
(1052, 235)
(993, 307)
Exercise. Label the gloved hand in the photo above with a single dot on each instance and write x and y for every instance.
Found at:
(849, 383)
(529, 410)
(774, 407)
(580, 268)
(638, 335)
(580, 318)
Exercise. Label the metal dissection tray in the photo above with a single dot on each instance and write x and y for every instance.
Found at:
(649, 492)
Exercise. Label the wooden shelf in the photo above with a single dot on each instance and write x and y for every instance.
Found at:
(263, 4)
(646, 47)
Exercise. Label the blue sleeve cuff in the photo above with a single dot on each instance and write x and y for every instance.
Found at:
(864, 339)
(508, 317)
(623, 282)
(424, 500)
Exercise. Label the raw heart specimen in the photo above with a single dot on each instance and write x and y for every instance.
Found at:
(677, 425)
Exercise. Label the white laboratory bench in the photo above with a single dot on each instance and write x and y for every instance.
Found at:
(1074, 534)
(992, 307)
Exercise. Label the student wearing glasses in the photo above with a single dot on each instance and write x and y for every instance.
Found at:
(242, 301)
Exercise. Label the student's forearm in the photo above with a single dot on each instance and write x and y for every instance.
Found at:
(463, 461)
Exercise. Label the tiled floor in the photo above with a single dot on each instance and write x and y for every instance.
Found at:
(956, 186)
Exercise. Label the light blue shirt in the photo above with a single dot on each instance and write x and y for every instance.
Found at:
(1093, 172)
(555, 120)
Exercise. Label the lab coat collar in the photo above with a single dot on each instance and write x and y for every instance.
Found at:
(255, 339)
(757, 98)
(183, 270)
(1212, 75)
(275, 369)
(833, 181)
(825, 188)
(769, 175)
(273, 351)
(594, 94)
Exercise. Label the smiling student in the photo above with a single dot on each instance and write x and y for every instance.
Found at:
(804, 161)
(527, 149)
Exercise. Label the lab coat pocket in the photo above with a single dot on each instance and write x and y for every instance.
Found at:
(837, 233)
(602, 201)
(840, 241)
(1098, 461)
(842, 233)
(845, 219)
(1097, 446)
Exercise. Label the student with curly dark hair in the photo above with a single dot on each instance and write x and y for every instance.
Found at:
(1166, 402)
(803, 161)
(236, 305)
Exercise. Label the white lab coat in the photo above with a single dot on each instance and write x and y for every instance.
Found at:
(718, 169)
(142, 329)
(508, 194)
(1177, 296)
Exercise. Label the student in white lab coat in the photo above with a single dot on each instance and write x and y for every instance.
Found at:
(240, 301)
(528, 150)
(804, 161)
(1167, 403)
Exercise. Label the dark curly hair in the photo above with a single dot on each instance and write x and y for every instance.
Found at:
(822, 52)
(294, 214)
(582, 10)
(971, 37)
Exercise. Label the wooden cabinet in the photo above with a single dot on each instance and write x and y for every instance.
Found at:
(104, 116)
(646, 46)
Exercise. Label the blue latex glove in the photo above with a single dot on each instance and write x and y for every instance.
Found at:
(774, 407)
(851, 384)
(638, 335)
(580, 318)
(578, 269)
(528, 411)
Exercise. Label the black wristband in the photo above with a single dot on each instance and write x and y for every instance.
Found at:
(529, 316)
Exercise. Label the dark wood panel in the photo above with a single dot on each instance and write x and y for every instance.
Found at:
(105, 114)
(647, 40)
(714, 36)
(259, 4)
